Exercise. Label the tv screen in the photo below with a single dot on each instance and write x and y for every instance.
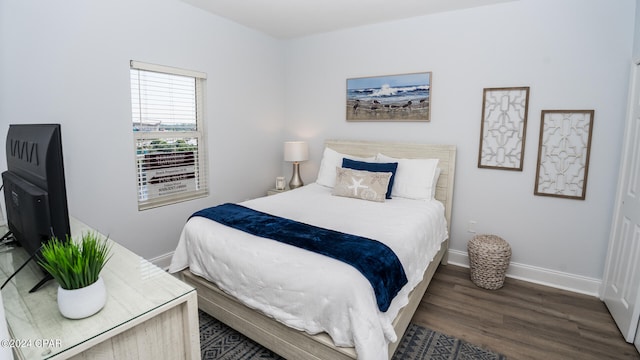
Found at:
(34, 185)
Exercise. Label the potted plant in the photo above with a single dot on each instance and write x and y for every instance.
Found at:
(76, 267)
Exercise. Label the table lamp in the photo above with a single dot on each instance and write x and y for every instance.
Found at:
(296, 151)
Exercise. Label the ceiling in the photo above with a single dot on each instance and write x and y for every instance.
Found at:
(294, 18)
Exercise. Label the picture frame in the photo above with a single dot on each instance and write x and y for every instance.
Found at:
(503, 128)
(403, 97)
(563, 153)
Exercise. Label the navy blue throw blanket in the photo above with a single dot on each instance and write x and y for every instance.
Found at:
(376, 261)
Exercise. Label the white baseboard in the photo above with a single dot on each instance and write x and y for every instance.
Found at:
(162, 261)
(537, 275)
(552, 278)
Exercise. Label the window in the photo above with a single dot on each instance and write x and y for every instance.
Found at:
(170, 149)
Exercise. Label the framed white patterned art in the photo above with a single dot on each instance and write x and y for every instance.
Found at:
(563, 153)
(503, 128)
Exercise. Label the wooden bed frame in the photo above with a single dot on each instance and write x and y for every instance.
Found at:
(294, 344)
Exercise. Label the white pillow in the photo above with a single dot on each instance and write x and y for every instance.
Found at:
(330, 160)
(436, 176)
(415, 178)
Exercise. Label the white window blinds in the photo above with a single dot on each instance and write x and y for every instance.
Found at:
(170, 150)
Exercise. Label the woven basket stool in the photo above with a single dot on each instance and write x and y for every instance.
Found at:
(489, 257)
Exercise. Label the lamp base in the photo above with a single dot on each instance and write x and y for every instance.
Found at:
(296, 180)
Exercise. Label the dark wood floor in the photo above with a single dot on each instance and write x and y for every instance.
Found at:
(521, 320)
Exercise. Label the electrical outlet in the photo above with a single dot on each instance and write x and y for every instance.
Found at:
(471, 226)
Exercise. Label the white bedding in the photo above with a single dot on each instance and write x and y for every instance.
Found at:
(312, 292)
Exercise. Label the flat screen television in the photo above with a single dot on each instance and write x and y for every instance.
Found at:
(34, 185)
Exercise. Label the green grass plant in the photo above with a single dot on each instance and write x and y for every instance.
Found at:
(75, 265)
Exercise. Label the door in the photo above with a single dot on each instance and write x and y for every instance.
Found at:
(622, 269)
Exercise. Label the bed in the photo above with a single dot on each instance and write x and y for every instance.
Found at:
(312, 318)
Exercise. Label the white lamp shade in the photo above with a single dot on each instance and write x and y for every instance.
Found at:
(296, 151)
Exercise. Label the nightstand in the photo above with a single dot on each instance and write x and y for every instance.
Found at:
(276, 191)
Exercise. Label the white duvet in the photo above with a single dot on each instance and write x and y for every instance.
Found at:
(312, 292)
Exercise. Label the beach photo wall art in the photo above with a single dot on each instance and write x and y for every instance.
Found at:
(403, 97)
(503, 128)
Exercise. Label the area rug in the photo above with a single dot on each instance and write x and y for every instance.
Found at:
(220, 342)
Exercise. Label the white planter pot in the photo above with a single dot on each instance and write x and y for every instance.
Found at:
(83, 302)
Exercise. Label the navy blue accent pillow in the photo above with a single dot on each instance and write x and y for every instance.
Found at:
(373, 167)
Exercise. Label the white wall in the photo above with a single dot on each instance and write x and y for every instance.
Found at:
(68, 62)
(573, 54)
(636, 37)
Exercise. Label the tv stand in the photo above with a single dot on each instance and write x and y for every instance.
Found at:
(6, 236)
(44, 280)
(149, 313)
